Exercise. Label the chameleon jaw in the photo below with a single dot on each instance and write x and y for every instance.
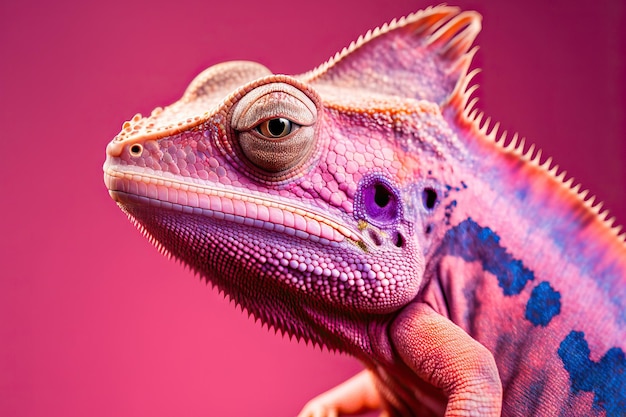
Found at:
(255, 210)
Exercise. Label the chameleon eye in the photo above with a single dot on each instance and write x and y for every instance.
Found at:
(275, 126)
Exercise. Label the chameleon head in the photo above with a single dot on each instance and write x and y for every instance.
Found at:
(269, 196)
(301, 196)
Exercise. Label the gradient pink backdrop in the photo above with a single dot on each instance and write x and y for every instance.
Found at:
(93, 321)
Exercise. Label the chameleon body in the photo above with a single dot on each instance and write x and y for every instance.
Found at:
(366, 206)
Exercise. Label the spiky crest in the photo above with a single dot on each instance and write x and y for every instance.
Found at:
(482, 130)
(425, 55)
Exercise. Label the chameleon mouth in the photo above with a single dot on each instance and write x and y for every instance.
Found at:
(249, 209)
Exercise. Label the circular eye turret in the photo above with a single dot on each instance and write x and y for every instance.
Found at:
(275, 126)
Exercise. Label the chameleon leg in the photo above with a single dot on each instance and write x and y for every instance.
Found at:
(445, 356)
(356, 395)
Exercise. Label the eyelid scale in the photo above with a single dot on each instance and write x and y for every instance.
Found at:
(273, 101)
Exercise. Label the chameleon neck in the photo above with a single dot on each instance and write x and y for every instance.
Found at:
(508, 218)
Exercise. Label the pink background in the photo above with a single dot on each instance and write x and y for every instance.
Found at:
(93, 321)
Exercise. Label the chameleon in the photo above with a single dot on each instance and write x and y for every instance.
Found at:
(369, 207)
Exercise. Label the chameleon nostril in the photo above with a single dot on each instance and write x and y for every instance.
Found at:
(429, 198)
(378, 201)
(382, 196)
(398, 240)
(136, 149)
(375, 238)
(381, 205)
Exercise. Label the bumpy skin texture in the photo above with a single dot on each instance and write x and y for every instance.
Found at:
(364, 207)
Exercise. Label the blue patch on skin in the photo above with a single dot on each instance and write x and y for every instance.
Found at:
(450, 188)
(606, 378)
(543, 305)
(473, 243)
(448, 210)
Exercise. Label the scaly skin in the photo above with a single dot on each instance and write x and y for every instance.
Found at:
(364, 207)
